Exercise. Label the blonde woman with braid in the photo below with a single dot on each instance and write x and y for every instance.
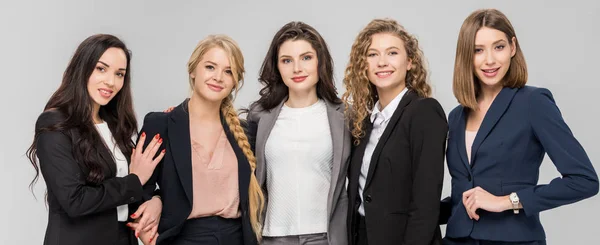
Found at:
(206, 180)
(399, 132)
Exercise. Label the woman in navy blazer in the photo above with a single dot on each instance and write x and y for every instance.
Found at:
(497, 140)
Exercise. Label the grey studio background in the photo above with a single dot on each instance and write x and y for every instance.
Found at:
(559, 39)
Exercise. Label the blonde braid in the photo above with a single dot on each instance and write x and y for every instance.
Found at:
(257, 199)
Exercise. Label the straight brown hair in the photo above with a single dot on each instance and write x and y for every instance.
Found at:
(465, 84)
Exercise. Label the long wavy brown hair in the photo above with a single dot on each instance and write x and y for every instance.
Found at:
(274, 90)
(255, 195)
(361, 95)
(73, 101)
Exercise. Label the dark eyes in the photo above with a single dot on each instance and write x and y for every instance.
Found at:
(498, 47)
(103, 69)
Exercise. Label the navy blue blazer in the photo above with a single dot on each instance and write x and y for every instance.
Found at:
(520, 126)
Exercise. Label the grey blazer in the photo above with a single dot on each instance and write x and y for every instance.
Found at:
(260, 124)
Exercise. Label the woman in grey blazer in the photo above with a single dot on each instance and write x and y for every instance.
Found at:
(301, 142)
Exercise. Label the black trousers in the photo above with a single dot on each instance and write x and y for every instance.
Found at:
(212, 230)
(470, 241)
(361, 230)
(126, 235)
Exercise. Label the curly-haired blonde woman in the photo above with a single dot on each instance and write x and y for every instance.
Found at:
(209, 192)
(397, 165)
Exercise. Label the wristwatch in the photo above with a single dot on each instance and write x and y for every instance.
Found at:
(514, 199)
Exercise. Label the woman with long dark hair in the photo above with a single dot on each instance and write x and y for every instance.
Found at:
(83, 141)
(301, 141)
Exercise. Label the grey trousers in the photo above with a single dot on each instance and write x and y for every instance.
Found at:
(308, 239)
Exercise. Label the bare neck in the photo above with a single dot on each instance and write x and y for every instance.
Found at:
(302, 99)
(203, 111)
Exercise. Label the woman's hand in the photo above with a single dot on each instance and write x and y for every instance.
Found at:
(147, 217)
(147, 238)
(478, 198)
(142, 162)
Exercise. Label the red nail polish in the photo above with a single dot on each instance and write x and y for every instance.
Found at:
(160, 140)
(157, 136)
(133, 216)
(143, 134)
(150, 240)
(163, 151)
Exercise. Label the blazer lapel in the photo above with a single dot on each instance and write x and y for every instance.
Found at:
(356, 161)
(336, 125)
(265, 125)
(180, 146)
(405, 101)
(494, 113)
(109, 160)
(459, 134)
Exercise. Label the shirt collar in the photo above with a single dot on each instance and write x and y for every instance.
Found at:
(388, 111)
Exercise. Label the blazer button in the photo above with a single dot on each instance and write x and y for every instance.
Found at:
(131, 199)
(469, 177)
(368, 199)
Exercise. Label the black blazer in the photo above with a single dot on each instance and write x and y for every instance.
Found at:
(174, 173)
(404, 182)
(81, 212)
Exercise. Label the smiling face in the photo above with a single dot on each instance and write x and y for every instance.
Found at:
(213, 76)
(108, 77)
(388, 62)
(298, 65)
(492, 57)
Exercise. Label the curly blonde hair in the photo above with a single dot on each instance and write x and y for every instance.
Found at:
(255, 194)
(361, 95)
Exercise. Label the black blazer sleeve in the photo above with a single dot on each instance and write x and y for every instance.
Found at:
(251, 129)
(154, 123)
(446, 203)
(66, 180)
(428, 145)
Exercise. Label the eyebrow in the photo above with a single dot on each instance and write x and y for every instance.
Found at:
(302, 54)
(392, 47)
(496, 42)
(215, 64)
(122, 69)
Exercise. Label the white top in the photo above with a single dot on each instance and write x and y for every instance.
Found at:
(469, 138)
(380, 119)
(299, 158)
(120, 160)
